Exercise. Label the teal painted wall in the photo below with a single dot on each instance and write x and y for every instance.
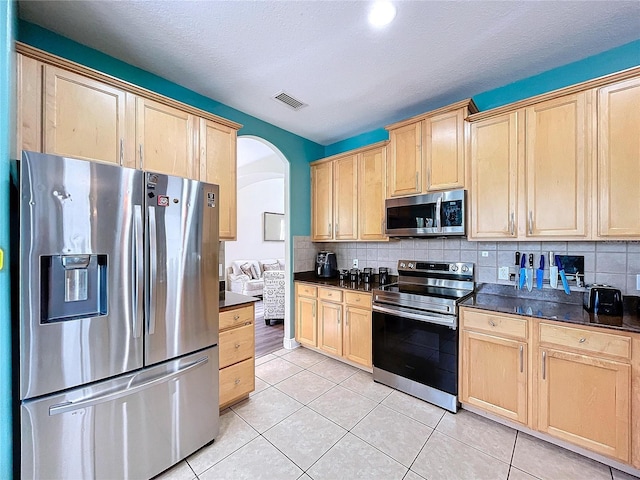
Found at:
(358, 141)
(7, 20)
(614, 60)
(298, 150)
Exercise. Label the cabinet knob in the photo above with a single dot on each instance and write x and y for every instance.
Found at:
(582, 340)
(236, 317)
(237, 345)
(357, 299)
(492, 323)
(237, 382)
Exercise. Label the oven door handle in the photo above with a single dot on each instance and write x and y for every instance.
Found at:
(451, 323)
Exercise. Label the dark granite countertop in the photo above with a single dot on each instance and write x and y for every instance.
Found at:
(552, 305)
(232, 299)
(310, 277)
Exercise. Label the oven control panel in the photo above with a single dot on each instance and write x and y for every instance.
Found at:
(434, 267)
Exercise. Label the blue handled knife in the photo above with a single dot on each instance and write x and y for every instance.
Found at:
(563, 277)
(523, 271)
(540, 273)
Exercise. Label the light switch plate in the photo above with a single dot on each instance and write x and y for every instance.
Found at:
(638, 282)
(355, 263)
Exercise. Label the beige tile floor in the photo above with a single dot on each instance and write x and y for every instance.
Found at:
(312, 417)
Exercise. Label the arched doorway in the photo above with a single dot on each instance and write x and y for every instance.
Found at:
(263, 186)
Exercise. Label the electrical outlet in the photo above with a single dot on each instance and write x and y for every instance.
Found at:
(355, 263)
(220, 270)
(484, 253)
(503, 273)
(638, 282)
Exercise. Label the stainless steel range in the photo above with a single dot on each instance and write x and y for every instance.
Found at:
(415, 329)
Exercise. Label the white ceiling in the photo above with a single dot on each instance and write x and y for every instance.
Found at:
(353, 77)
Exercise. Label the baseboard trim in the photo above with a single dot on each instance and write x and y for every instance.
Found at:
(290, 343)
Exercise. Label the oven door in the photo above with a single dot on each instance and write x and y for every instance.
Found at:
(424, 352)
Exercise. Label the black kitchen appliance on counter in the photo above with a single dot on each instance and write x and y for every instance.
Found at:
(326, 265)
(603, 300)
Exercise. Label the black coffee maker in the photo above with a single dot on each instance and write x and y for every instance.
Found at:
(326, 265)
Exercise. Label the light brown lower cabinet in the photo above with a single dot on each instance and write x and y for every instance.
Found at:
(577, 383)
(237, 354)
(334, 321)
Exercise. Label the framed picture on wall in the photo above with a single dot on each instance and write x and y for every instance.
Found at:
(273, 227)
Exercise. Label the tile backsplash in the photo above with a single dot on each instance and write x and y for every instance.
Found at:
(613, 263)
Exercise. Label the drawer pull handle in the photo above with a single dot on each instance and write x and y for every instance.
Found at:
(492, 323)
(582, 340)
(236, 317)
(237, 382)
(544, 365)
(237, 345)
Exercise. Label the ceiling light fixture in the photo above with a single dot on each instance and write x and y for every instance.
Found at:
(382, 13)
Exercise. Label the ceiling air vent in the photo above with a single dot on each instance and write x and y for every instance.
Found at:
(289, 101)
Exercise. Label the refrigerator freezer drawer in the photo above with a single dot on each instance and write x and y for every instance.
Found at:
(134, 426)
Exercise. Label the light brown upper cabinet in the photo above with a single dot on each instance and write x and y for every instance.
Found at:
(371, 194)
(427, 152)
(166, 139)
(322, 201)
(494, 177)
(347, 195)
(67, 109)
(334, 199)
(618, 160)
(529, 171)
(63, 113)
(218, 165)
(405, 160)
(557, 167)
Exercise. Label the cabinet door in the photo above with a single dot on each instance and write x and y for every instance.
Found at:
(405, 160)
(494, 375)
(330, 327)
(166, 139)
(218, 166)
(494, 177)
(444, 151)
(28, 105)
(357, 335)
(557, 134)
(322, 201)
(371, 188)
(345, 198)
(619, 160)
(306, 325)
(83, 118)
(585, 400)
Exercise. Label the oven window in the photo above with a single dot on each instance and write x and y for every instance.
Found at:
(419, 351)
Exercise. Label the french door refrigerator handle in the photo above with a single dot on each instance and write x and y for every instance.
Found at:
(89, 402)
(153, 269)
(138, 257)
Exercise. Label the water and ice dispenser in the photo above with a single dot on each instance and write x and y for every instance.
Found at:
(73, 287)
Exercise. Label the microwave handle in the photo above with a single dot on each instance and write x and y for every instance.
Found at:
(439, 214)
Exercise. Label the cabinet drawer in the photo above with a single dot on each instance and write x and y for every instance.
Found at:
(305, 290)
(237, 380)
(330, 295)
(237, 344)
(586, 340)
(358, 299)
(493, 323)
(235, 317)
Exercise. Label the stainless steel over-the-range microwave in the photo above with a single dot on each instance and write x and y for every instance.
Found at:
(430, 215)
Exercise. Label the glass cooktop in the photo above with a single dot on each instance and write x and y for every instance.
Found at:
(425, 290)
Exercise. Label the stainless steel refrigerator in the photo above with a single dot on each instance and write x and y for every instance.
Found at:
(117, 271)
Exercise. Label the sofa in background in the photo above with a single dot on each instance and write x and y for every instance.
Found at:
(247, 276)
